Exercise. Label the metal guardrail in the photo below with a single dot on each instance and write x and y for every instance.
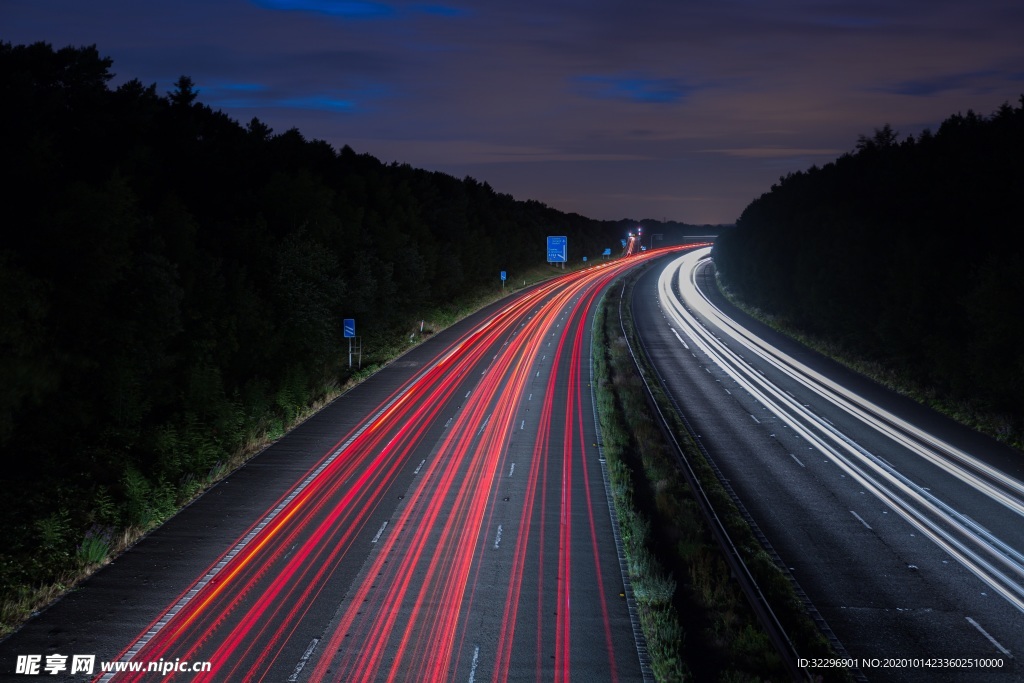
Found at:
(762, 609)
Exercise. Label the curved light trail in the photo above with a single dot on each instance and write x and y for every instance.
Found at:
(452, 562)
(997, 562)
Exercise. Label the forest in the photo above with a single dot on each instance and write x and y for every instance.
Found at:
(173, 283)
(906, 254)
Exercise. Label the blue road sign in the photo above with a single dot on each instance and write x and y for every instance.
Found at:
(503, 276)
(558, 249)
(350, 327)
(607, 252)
(623, 242)
(584, 259)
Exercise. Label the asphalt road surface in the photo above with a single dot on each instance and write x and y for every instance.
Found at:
(904, 529)
(445, 520)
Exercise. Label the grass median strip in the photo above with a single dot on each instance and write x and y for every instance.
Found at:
(696, 620)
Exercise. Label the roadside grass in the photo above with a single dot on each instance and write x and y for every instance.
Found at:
(705, 630)
(63, 555)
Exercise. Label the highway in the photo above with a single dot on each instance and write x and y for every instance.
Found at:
(445, 520)
(903, 529)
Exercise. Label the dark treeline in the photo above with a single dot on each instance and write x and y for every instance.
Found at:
(907, 253)
(173, 282)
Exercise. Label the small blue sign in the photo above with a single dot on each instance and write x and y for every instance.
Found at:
(584, 259)
(503, 276)
(558, 249)
(607, 252)
(350, 327)
(623, 242)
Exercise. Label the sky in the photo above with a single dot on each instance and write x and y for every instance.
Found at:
(681, 110)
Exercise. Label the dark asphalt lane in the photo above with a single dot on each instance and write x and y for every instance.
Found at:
(885, 589)
(544, 593)
(569, 508)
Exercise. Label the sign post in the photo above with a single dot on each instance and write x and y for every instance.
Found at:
(558, 249)
(354, 345)
(503, 275)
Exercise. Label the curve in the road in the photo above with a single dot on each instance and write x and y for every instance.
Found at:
(414, 548)
(962, 502)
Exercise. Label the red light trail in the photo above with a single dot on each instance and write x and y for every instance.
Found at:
(443, 588)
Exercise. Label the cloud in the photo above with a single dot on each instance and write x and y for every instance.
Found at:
(851, 22)
(441, 10)
(316, 103)
(462, 151)
(259, 96)
(311, 102)
(774, 152)
(355, 9)
(634, 88)
(567, 101)
(942, 83)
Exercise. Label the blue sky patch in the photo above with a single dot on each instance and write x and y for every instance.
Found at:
(309, 102)
(355, 9)
(936, 85)
(635, 89)
(318, 103)
(255, 95)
